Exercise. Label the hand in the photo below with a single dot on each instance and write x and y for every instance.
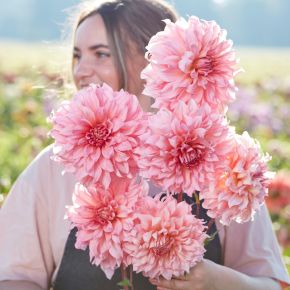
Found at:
(200, 277)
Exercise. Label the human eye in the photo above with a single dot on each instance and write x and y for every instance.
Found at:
(76, 57)
(100, 54)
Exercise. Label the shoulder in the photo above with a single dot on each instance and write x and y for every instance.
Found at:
(43, 164)
(44, 169)
(44, 179)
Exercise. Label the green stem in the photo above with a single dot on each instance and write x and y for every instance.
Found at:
(210, 223)
(197, 202)
(124, 276)
(131, 277)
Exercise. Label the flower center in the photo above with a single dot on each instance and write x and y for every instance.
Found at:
(163, 246)
(105, 214)
(203, 66)
(191, 154)
(98, 135)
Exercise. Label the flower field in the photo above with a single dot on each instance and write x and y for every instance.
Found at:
(31, 86)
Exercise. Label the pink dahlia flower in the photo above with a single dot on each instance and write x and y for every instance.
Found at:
(184, 149)
(103, 218)
(190, 60)
(167, 239)
(96, 134)
(242, 188)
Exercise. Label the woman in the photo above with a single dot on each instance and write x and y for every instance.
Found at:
(36, 245)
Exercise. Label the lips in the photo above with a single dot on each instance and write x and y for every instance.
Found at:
(84, 85)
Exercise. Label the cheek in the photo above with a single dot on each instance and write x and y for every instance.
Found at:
(109, 75)
(135, 84)
(75, 77)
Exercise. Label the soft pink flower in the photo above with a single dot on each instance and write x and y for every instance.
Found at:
(96, 134)
(279, 192)
(167, 239)
(184, 149)
(103, 218)
(242, 188)
(190, 60)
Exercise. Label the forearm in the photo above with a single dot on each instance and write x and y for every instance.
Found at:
(19, 285)
(229, 279)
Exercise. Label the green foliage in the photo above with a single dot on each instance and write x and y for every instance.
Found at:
(25, 102)
(31, 84)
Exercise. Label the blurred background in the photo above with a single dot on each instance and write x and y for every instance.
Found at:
(34, 62)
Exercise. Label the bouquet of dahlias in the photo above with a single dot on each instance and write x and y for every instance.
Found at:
(192, 147)
(98, 138)
(186, 147)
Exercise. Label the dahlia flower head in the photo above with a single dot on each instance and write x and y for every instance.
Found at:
(104, 217)
(96, 134)
(167, 239)
(185, 149)
(190, 59)
(241, 189)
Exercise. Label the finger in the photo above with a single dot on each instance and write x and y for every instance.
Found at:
(170, 284)
(184, 277)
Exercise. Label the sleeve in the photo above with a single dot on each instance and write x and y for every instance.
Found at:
(252, 248)
(25, 252)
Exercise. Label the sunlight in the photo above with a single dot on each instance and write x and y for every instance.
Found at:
(220, 2)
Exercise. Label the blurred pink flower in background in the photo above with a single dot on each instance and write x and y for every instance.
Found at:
(190, 60)
(279, 192)
(241, 190)
(278, 203)
(96, 134)
(167, 239)
(103, 218)
(185, 149)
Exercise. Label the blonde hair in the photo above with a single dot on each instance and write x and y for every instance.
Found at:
(129, 24)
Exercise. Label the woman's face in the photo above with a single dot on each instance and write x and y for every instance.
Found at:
(93, 61)
(92, 58)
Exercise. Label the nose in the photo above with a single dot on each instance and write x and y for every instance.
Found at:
(83, 68)
(84, 73)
